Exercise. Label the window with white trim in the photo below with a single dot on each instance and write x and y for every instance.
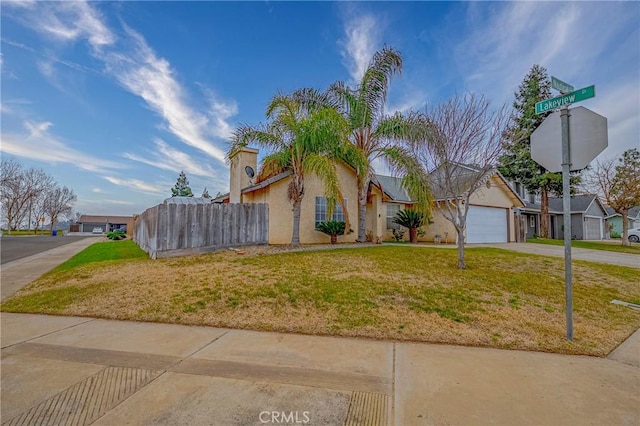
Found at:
(321, 211)
(392, 210)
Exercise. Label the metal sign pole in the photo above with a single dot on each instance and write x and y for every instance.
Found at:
(566, 214)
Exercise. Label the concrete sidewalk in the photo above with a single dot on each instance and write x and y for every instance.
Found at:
(599, 256)
(21, 272)
(70, 370)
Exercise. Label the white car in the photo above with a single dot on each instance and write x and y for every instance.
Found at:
(634, 235)
(97, 230)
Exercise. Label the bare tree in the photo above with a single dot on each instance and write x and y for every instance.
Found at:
(618, 184)
(18, 190)
(463, 139)
(59, 201)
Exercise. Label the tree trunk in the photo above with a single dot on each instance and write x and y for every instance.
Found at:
(362, 213)
(461, 263)
(625, 227)
(295, 237)
(334, 239)
(544, 213)
(413, 235)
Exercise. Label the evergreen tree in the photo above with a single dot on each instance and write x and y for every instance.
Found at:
(205, 193)
(516, 164)
(181, 188)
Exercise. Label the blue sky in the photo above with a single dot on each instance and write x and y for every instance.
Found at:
(113, 99)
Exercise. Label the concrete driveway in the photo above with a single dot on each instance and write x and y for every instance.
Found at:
(600, 256)
(18, 273)
(71, 370)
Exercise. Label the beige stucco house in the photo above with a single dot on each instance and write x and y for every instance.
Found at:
(492, 207)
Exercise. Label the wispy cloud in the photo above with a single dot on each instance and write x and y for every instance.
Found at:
(359, 45)
(138, 185)
(146, 75)
(165, 157)
(136, 66)
(65, 21)
(39, 144)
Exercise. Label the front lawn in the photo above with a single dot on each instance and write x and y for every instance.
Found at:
(633, 248)
(504, 299)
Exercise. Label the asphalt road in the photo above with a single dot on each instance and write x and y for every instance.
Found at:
(14, 248)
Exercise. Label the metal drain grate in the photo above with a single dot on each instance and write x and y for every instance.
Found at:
(368, 409)
(87, 400)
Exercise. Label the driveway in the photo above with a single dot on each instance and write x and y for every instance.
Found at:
(14, 248)
(36, 257)
(600, 256)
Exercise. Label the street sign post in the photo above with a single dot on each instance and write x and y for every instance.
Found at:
(563, 102)
(561, 86)
(569, 98)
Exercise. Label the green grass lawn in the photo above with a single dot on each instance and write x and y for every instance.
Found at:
(616, 246)
(504, 299)
(102, 252)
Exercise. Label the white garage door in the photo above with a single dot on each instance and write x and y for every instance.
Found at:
(486, 225)
(593, 228)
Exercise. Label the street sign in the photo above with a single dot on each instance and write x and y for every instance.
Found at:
(588, 138)
(561, 86)
(569, 98)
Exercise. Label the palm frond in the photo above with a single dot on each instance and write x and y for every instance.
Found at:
(273, 164)
(375, 83)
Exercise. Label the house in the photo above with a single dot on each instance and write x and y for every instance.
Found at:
(490, 218)
(614, 220)
(493, 207)
(107, 223)
(587, 218)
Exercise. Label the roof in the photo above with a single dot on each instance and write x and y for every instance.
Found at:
(451, 180)
(267, 182)
(187, 200)
(579, 203)
(633, 212)
(87, 218)
(392, 186)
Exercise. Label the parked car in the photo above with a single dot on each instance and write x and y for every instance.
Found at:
(634, 235)
(97, 230)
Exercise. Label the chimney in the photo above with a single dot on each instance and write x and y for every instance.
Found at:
(239, 179)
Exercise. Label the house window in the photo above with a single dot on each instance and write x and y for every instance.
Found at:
(392, 209)
(321, 211)
(532, 221)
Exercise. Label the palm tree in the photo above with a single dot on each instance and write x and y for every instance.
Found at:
(302, 138)
(374, 134)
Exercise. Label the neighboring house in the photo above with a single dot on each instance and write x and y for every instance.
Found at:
(108, 223)
(492, 207)
(587, 218)
(490, 218)
(614, 220)
(530, 211)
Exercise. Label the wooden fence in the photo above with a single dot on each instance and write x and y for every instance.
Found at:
(173, 229)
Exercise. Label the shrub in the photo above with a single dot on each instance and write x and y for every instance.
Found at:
(398, 234)
(410, 219)
(615, 234)
(116, 235)
(332, 228)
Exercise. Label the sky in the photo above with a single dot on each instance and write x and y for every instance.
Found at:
(114, 99)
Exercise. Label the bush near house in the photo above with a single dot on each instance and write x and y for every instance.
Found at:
(410, 219)
(332, 228)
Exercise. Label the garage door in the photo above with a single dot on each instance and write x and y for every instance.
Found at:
(592, 227)
(486, 225)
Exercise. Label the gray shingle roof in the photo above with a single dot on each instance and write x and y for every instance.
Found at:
(579, 203)
(187, 200)
(393, 187)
